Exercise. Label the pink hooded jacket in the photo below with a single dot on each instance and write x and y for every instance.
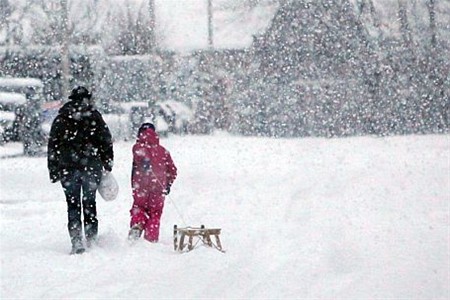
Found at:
(153, 167)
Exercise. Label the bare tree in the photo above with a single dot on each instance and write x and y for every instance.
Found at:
(152, 24)
(65, 48)
(210, 25)
(404, 24)
(5, 12)
(136, 35)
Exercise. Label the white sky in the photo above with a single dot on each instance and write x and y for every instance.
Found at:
(181, 23)
(184, 24)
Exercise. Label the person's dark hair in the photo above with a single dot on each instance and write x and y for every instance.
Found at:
(146, 126)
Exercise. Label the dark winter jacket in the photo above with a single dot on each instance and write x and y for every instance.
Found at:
(79, 140)
(153, 167)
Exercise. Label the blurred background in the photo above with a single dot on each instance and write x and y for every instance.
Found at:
(328, 68)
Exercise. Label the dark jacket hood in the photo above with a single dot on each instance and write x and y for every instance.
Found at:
(76, 108)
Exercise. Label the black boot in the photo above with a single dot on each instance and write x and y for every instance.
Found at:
(77, 247)
(90, 231)
(75, 238)
(135, 232)
(90, 220)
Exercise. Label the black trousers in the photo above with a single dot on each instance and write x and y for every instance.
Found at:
(75, 183)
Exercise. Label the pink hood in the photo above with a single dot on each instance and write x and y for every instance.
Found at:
(153, 167)
(148, 137)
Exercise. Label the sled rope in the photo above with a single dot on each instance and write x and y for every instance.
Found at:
(177, 210)
(184, 222)
(171, 200)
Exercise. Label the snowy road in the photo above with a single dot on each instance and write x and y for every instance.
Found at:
(355, 218)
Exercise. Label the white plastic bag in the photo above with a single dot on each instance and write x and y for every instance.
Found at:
(108, 188)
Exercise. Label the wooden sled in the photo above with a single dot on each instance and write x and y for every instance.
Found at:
(200, 233)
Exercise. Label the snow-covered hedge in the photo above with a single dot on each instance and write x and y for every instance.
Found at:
(44, 62)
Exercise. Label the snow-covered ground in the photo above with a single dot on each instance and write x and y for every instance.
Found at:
(354, 218)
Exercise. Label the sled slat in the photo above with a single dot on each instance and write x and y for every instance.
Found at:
(175, 238)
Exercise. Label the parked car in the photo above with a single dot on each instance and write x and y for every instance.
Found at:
(168, 116)
(29, 114)
(49, 112)
(137, 112)
(6, 121)
(172, 117)
(11, 108)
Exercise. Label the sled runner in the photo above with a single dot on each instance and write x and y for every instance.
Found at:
(200, 233)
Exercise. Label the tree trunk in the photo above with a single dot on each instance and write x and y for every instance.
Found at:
(210, 25)
(432, 12)
(152, 25)
(65, 67)
(404, 25)
(5, 12)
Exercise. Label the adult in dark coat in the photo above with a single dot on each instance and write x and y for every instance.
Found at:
(79, 148)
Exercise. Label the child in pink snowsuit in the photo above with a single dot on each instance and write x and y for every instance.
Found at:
(152, 176)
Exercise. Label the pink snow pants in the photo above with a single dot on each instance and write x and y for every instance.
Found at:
(147, 210)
